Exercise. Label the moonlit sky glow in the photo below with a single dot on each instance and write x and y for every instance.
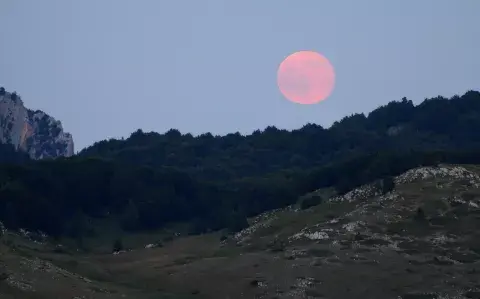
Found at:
(106, 68)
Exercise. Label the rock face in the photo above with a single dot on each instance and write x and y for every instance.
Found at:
(34, 132)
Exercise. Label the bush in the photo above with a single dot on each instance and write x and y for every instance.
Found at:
(276, 245)
(14, 96)
(117, 245)
(60, 249)
(223, 237)
(311, 202)
(387, 184)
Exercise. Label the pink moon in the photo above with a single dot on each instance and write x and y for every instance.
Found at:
(306, 77)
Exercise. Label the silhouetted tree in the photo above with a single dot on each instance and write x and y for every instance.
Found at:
(14, 96)
(388, 184)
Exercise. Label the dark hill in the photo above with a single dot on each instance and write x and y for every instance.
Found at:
(213, 182)
(435, 124)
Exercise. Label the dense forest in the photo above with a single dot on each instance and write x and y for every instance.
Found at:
(8, 155)
(212, 182)
(437, 123)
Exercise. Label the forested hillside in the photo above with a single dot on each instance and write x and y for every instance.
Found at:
(435, 124)
(213, 182)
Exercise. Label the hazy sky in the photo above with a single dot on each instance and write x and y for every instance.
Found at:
(108, 67)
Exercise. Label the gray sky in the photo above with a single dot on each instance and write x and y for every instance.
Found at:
(108, 67)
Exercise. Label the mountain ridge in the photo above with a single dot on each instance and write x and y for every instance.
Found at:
(435, 124)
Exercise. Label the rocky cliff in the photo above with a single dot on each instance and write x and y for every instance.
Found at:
(34, 132)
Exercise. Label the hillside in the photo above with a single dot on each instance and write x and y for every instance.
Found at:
(435, 124)
(419, 240)
(367, 208)
(151, 181)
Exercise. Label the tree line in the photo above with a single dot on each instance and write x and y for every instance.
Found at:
(434, 124)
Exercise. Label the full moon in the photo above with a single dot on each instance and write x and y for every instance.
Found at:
(306, 77)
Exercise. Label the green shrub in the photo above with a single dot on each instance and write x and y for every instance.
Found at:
(311, 201)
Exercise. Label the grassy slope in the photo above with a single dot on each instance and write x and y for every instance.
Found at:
(366, 247)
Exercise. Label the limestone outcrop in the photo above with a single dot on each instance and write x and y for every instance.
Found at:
(34, 132)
